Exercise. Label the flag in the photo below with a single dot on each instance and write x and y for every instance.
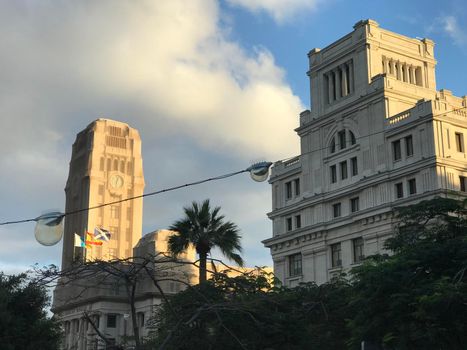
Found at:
(79, 241)
(102, 234)
(90, 240)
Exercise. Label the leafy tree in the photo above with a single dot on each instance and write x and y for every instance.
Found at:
(205, 229)
(23, 320)
(416, 298)
(247, 312)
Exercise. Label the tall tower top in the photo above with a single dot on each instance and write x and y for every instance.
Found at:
(106, 166)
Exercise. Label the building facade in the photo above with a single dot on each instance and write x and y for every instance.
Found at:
(106, 166)
(378, 135)
(103, 296)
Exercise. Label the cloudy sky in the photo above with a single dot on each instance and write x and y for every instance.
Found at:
(212, 86)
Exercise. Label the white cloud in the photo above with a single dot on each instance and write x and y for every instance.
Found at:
(449, 25)
(280, 10)
(167, 68)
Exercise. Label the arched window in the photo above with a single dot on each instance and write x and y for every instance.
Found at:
(353, 140)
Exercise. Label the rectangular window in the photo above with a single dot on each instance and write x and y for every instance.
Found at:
(112, 253)
(462, 183)
(357, 244)
(333, 174)
(111, 321)
(399, 190)
(396, 150)
(343, 167)
(288, 190)
(354, 166)
(342, 140)
(288, 223)
(336, 210)
(412, 186)
(459, 142)
(113, 232)
(336, 258)
(295, 265)
(298, 221)
(297, 186)
(409, 146)
(114, 212)
(354, 204)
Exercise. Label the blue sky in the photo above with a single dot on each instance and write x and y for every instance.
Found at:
(211, 85)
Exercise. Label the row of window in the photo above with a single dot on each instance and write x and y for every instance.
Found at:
(343, 169)
(116, 165)
(402, 71)
(73, 326)
(289, 222)
(411, 185)
(339, 82)
(354, 207)
(295, 260)
(397, 151)
(339, 141)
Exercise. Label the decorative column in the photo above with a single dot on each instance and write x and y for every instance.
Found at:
(393, 67)
(412, 75)
(337, 87)
(330, 88)
(407, 73)
(344, 80)
(351, 78)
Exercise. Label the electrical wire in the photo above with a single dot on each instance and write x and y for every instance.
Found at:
(59, 217)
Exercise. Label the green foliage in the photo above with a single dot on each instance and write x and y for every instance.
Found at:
(205, 229)
(247, 312)
(23, 320)
(416, 298)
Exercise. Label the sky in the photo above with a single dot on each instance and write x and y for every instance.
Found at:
(212, 86)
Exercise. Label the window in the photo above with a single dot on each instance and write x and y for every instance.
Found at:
(140, 317)
(288, 190)
(111, 321)
(353, 140)
(354, 166)
(462, 183)
(333, 174)
(409, 146)
(341, 138)
(113, 232)
(333, 145)
(112, 253)
(114, 212)
(298, 221)
(399, 190)
(336, 210)
(354, 204)
(101, 164)
(396, 150)
(459, 142)
(295, 265)
(412, 186)
(297, 186)
(357, 244)
(343, 167)
(336, 258)
(288, 223)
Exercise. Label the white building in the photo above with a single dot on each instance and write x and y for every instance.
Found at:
(378, 135)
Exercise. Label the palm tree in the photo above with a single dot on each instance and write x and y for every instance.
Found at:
(205, 229)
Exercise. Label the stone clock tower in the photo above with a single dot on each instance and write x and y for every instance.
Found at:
(106, 166)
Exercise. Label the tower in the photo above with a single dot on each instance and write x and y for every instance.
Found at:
(106, 166)
(378, 135)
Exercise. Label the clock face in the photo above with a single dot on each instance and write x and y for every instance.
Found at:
(116, 181)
